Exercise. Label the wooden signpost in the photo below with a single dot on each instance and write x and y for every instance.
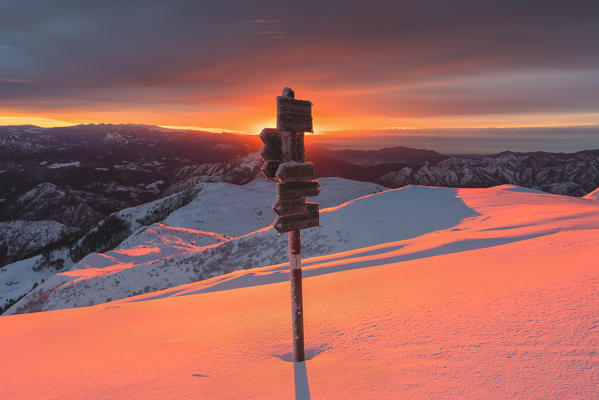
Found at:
(296, 190)
(293, 115)
(292, 172)
(284, 159)
(271, 151)
(307, 218)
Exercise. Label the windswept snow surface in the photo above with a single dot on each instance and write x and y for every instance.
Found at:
(235, 210)
(498, 301)
(185, 247)
(392, 226)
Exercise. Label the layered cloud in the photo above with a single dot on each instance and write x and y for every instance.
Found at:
(364, 63)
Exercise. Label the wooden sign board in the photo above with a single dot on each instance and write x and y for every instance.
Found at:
(272, 144)
(308, 219)
(288, 207)
(293, 172)
(271, 151)
(296, 190)
(294, 115)
(271, 136)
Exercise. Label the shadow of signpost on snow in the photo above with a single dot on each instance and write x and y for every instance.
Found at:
(300, 372)
(302, 389)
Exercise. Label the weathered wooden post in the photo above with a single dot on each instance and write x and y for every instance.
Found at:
(284, 156)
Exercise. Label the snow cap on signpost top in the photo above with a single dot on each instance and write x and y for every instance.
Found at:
(288, 92)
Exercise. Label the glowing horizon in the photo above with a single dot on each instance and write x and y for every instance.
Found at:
(366, 67)
(573, 120)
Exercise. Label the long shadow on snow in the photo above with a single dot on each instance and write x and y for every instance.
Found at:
(282, 274)
(396, 214)
(331, 263)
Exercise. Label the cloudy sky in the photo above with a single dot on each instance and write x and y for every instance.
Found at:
(371, 68)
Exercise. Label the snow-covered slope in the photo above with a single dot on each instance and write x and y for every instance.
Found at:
(191, 223)
(239, 171)
(469, 294)
(390, 226)
(25, 237)
(234, 210)
(54, 203)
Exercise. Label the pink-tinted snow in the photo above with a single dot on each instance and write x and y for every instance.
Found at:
(516, 318)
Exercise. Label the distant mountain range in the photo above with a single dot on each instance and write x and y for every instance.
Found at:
(58, 183)
(388, 155)
(573, 174)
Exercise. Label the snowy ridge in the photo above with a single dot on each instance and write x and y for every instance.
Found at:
(475, 218)
(239, 171)
(494, 295)
(391, 226)
(158, 256)
(232, 210)
(26, 237)
(23, 275)
(55, 203)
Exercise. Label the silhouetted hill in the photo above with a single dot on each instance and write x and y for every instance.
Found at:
(388, 155)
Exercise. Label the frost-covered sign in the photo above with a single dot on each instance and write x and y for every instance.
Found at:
(288, 207)
(307, 218)
(297, 190)
(284, 159)
(294, 115)
(271, 151)
(289, 172)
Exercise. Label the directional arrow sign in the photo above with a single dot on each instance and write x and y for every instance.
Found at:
(288, 207)
(271, 136)
(271, 151)
(293, 172)
(296, 190)
(308, 219)
(294, 115)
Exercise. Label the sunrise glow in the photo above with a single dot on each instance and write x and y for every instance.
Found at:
(266, 199)
(362, 76)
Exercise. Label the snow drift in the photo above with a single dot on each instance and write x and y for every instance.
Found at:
(183, 247)
(435, 293)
